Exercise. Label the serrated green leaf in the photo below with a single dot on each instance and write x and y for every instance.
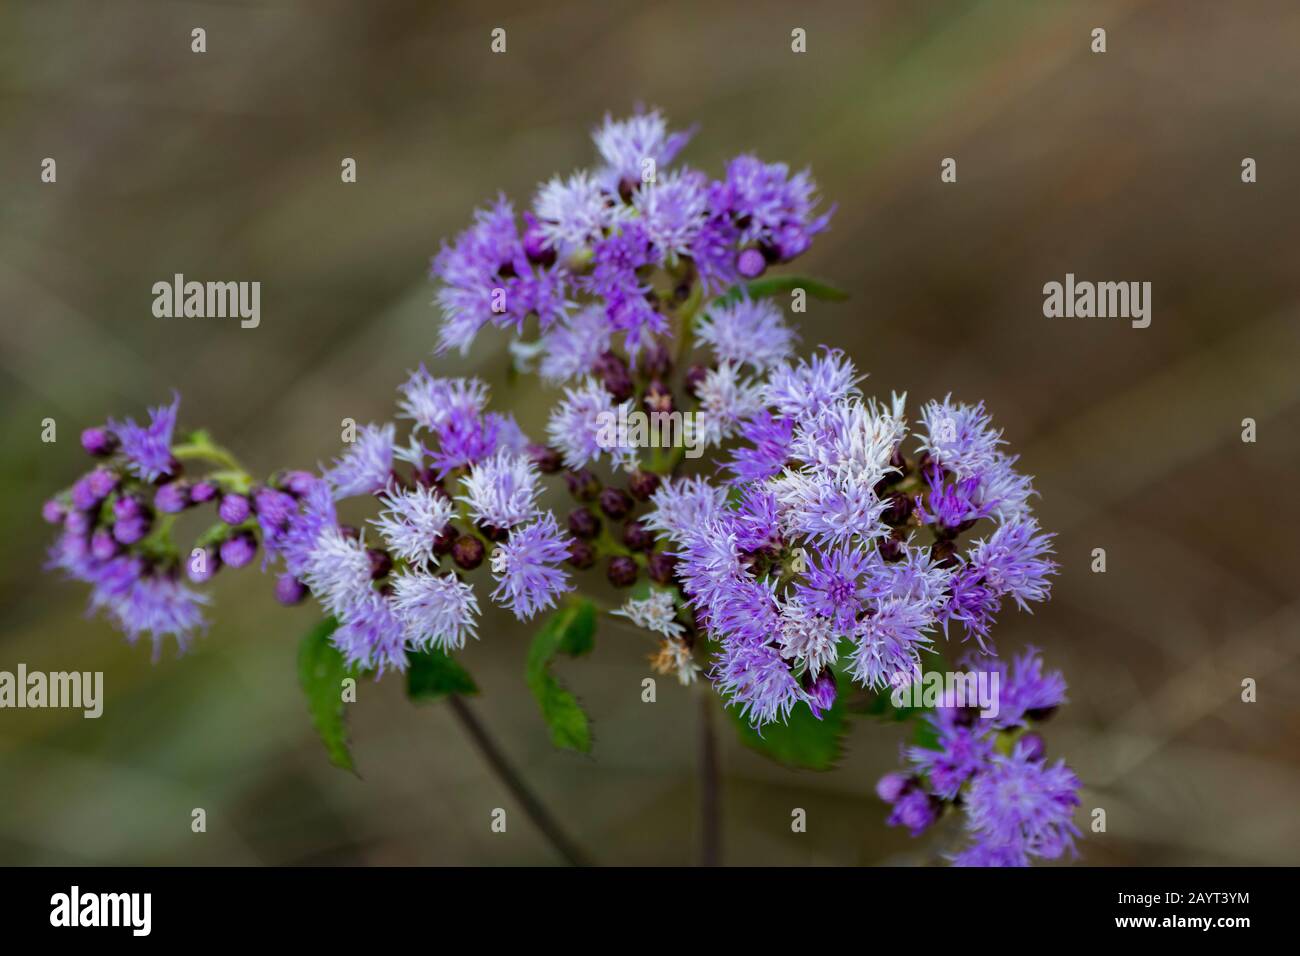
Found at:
(433, 674)
(321, 672)
(570, 630)
(802, 741)
(774, 285)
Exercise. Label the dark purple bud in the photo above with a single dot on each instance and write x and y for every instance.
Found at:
(99, 442)
(83, 494)
(443, 543)
(658, 397)
(289, 590)
(657, 361)
(467, 552)
(172, 498)
(643, 484)
(535, 247)
(821, 692)
(203, 566)
(202, 492)
(751, 263)
(103, 545)
(547, 460)
(621, 572)
(239, 550)
(583, 485)
(127, 507)
(891, 549)
(615, 502)
(53, 511)
(695, 376)
(944, 553)
(899, 508)
(132, 529)
(892, 786)
(662, 567)
(1040, 713)
(350, 531)
(637, 536)
(102, 482)
(380, 563)
(297, 483)
(78, 522)
(234, 510)
(583, 523)
(1032, 746)
(274, 508)
(614, 376)
(581, 554)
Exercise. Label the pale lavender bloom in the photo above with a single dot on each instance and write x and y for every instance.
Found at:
(625, 145)
(673, 209)
(747, 332)
(681, 506)
(430, 401)
(366, 465)
(849, 441)
(412, 520)
(437, 610)
(1026, 804)
(964, 749)
(337, 569)
(959, 437)
(889, 642)
(571, 348)
(149, 449)
(832, 584)
(1004, 491)
(502, 490)
(809, 385)
(140, 602)
(808, 637)
(757, 678)
(826, 511)
(726, 400)
(470, 272)
(1013, 560)
(776, 209)
(316, 516)
(768, 450)
(527, 567)
(370, 635)
(1025, 691)
(575, 212)
(582, 426)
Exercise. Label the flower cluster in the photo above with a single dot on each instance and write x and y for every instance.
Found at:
(611, 256)
(834, 542)
(831, 546)
(1017, 805)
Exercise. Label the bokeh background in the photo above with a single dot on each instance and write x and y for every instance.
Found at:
(1122, 166)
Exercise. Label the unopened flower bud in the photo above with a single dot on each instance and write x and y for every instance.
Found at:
(751, 263)
(467, 552)
(662, 567)
(643, 484)
(547, 460)
(621, 572)
(172, 498)
(581, 554)
(234, 509)
(583, 523)
(615, 502)
(289, 590)
(583, 485)
(637, 536)
(239, 550)
(99, 442)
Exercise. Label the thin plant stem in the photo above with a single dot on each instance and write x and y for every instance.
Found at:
(533, 806)
(710, 788)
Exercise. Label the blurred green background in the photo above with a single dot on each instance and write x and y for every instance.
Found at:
(1122, 166)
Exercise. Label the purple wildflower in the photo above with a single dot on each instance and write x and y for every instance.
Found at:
(527, 567)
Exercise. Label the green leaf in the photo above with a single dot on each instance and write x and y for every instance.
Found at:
(570, 630)
(802, 741)
(775, 285)
(433, 674)
(321, 672)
